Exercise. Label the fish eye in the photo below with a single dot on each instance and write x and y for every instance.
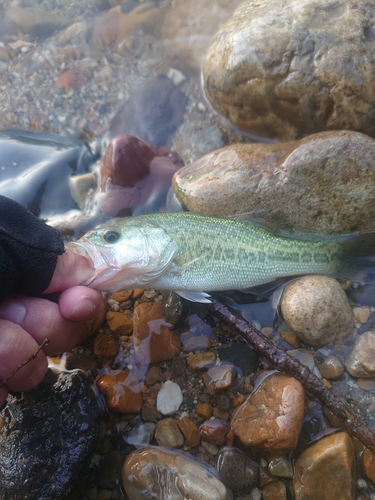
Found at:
(111, 236)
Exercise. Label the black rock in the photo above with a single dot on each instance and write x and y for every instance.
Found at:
(35, 169)
(236, 470)
(49, 433)
(152, 113)
(242, 356)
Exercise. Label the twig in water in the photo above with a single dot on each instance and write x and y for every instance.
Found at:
(294, 368)
(33, 356)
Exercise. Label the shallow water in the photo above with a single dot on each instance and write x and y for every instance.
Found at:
(111, 93)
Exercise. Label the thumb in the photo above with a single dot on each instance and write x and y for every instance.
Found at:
(71, 270)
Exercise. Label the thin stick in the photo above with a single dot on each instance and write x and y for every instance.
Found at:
(33, 356)
(283, 362)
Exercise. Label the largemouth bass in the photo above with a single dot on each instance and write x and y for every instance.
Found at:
(193, 254)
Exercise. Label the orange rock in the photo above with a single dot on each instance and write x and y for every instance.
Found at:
(119, 323)
(368, 464)
(270, 420)
(73, 78)
(201, 360)
(219, 378)
(105, 345)
(204, 410)
(122, 296)
(89, 327)
(190, 431)
(121, 390)
(153, 340)
(326, 470)
(274, 491)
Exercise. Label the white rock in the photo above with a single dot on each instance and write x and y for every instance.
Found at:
(169, 398)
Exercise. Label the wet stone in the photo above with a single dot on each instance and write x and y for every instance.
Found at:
(201, 360)
(190, 431)
(154, 375)
(204, 410)
(167, 433)
(270, 420)
(275, 491)
(105, 345)
(368, 464)
(150, 413)
(242, 356)
(361, 361)
(331, 368)
(219, 378)
(184, 476)
(141, 435)
(280, 467)
(121, 390)
(169, 398)
(119, 323)
(214, 431)
(43, 426)
(237, 471)
(317, 310)
(326, 470)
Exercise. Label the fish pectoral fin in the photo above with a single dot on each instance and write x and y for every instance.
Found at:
(188, 258)
(201, 297)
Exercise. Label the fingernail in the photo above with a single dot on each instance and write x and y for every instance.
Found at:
(83, 308)
(14, 311)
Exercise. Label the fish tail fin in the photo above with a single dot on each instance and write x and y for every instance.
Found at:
(358, 255)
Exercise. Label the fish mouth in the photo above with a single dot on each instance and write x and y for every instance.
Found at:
(102, 262)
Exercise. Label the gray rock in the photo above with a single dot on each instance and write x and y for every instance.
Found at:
(49, 432)
(288, 69)
(322, 184)
(361, 361)
(317, 310)
(167, 433)
(238, 472)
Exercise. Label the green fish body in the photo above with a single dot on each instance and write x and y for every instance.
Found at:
(191, 254)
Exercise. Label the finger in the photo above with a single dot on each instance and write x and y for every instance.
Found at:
(42, 319)
(80, 303)
(71, 270)
(16, 347)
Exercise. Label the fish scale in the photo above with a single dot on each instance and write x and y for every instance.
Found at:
(192, 254)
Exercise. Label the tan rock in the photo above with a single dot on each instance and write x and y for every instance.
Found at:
(286, 69)
(190, 430)
(119, 323)
(361, 361)
(184, 477)
(368, 464)
(271, 418)
(219, 378)
(326, 470)
(121, 390)
(201, 360)
(317, 310)
(308, 186)
(204, 410)
(167, 433)
(331, 368)
(153, 340)
(274, 491)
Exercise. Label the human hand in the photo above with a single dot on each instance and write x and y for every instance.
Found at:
(25, 322)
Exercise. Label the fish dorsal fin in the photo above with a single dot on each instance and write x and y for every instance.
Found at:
(201, 297)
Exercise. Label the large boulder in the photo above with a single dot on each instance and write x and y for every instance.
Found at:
(285, 69)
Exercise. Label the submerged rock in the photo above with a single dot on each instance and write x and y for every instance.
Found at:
(270, 420)
(317, 310)
(49, 433)
(288, 69)
(183, 477)
(326, 470)
(324, 183)
(238, 471)
(361, 360)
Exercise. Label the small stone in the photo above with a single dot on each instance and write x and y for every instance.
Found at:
(219, 378)
(186, 477)
(361, 314)
(326, 470)
(150, 413)
(331, 368)
(167, 433)
(201, 360)
(237, 471)
(214, 431)
(280, 467)
(154, 375)
(121, 390)
(317, 310)
(153, 340)
(141, 435)
(35, 20)
(190, 431)
(119, 323)
(122, 296)
(271, 418)
(169, 398)
(73, 78)
(368, 464)
(204, 410)
(274, 491)
(223, 402)
(105, 345)
(361, 361)
(365, 385)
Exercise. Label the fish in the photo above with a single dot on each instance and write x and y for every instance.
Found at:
(194, 254)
